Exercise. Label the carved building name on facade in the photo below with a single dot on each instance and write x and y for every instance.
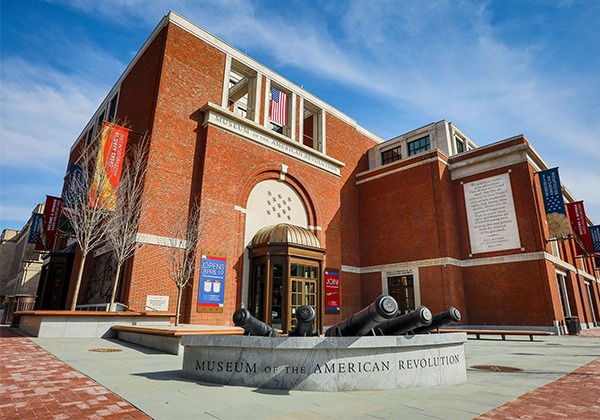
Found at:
(280, 145)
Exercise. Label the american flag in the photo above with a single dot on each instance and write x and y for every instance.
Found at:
(278, 106)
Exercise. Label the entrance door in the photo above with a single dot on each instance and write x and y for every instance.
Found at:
(285, 273)
(304, 281)
(402, 289)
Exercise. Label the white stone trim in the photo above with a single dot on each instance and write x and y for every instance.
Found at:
(246, 129)
(146, 238)
(531, 256)
(240, 209)
(393, 171)
(489, 161)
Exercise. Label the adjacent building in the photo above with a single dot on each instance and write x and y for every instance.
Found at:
(301, 205)
(20, 261)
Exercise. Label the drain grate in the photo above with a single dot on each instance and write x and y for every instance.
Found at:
(495, 368)
(100, 350)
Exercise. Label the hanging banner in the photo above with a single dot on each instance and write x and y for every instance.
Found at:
(595, 236)
(74, 187)
(52, 210)
(583, 241)
(212, 283)
(35, 230)
(558, 223)
(109, 165)
(332, 291)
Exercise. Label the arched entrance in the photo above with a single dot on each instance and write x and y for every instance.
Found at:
(286, 264)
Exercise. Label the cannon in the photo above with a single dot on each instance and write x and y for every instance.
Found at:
(440, 320)
(362, 323)
(402, 324)
(251, 325)
(305, 322)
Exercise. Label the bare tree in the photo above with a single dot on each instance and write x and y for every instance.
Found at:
(122, 225)
(83, 207)
(181, 257)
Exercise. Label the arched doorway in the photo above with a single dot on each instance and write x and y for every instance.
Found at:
(286, 263)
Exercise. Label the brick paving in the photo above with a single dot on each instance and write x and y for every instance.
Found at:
(574, 396)
(36, 385)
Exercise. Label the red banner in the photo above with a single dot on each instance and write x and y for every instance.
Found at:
(332, 290)
(52, 210)
(109, 165)
(583, 240)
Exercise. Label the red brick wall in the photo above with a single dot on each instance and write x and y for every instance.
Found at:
(191, 75)
(185, 158)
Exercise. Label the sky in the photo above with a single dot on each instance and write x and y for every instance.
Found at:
(495, 69)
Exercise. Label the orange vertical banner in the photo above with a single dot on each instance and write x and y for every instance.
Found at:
(109, 165)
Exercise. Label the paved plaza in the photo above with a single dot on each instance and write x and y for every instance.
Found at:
(77, 378)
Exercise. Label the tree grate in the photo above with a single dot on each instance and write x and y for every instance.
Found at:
(101, 350)
(496, 368)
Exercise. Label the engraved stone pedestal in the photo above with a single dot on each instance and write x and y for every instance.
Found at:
(327, 363)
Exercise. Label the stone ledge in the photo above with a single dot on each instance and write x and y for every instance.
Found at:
(172, 331)
(94, 313)
(85, 323)
(326, 363)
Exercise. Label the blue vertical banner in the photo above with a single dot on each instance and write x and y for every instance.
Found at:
(211, 290)
(75, 187)
(595, 234)
(554, 204)
(35, 229)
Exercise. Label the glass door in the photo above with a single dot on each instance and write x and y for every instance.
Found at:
(402, 289)
(258, 286)
(304, 278)
(277, 297)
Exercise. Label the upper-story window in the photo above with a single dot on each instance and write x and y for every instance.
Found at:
(100, 121)
(418, 146)
(90, 136)
(112, 108)
(312, 123)
(460, 144)
(391, 155)
(242, 90)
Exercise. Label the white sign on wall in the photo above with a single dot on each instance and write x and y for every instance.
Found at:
(491, 214)
(157, 303)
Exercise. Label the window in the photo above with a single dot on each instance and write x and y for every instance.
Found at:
(312, 122)
(100, 122)
(460, 145)
(112, 108)
(419, 146)
(242, 90)
(391, 155)
(564, 297)
(90, 136)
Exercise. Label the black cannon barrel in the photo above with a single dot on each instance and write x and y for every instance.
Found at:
(251, 325)
(361, 323)
(401, 324)
(305, 322)
(440, 320)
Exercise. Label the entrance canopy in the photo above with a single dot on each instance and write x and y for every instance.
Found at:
(284, 233)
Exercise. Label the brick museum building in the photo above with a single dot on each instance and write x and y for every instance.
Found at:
(299, 204)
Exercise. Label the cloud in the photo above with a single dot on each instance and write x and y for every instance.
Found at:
(44, 111)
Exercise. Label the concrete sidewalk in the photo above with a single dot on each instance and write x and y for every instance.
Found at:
(150, 381)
